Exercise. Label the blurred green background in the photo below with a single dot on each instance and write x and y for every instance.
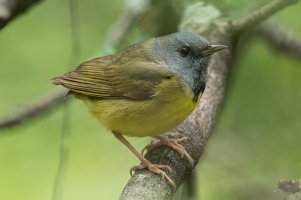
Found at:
(256, 142)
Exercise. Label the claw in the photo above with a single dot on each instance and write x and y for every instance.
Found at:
(157, 169)
(172, 143)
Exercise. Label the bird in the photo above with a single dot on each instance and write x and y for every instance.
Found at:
(145, 89)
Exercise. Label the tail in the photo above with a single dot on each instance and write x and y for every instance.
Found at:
(61, 81)
(57, 80)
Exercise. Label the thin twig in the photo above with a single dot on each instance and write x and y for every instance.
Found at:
(250, 21)
(60, 178)
(123, 25)
(280, 40)
(42, 106)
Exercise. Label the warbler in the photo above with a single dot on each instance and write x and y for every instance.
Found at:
(145, 89)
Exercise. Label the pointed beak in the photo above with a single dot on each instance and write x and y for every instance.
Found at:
(211, 49)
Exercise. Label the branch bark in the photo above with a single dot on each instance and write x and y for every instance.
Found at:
(10, 9)
(198, 127)
(260, 15)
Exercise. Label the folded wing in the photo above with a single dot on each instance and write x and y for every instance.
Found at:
(107, 77)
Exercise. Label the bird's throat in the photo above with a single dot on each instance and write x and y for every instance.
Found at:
(198, 89)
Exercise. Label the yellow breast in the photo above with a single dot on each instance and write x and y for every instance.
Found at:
(170, 106)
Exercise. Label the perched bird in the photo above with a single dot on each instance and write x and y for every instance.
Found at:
(145, 89)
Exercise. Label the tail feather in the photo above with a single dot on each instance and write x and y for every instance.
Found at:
(61, 81)
(57, 80)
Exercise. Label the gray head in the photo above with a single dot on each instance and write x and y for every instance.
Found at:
(188, 55)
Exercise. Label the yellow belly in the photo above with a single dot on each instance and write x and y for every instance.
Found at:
(171, 105)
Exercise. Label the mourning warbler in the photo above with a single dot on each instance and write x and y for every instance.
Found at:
(145, 89)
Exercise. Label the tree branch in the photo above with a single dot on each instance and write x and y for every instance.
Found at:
(37, 108)
(9, 9)
(260, 15)
(280, 40)
(198, 127)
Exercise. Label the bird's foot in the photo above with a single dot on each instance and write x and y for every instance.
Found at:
(172, 143)
(157, 169)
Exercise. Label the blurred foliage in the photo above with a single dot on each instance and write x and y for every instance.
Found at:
(156, 22)
(256, 142)
(236, 8)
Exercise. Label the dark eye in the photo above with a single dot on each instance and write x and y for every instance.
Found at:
(184, 51)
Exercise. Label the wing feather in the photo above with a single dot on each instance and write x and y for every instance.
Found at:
(107, 77)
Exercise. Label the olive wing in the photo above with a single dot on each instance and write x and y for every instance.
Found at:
(107, 78)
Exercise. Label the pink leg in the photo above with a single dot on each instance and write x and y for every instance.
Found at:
(157, 169)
